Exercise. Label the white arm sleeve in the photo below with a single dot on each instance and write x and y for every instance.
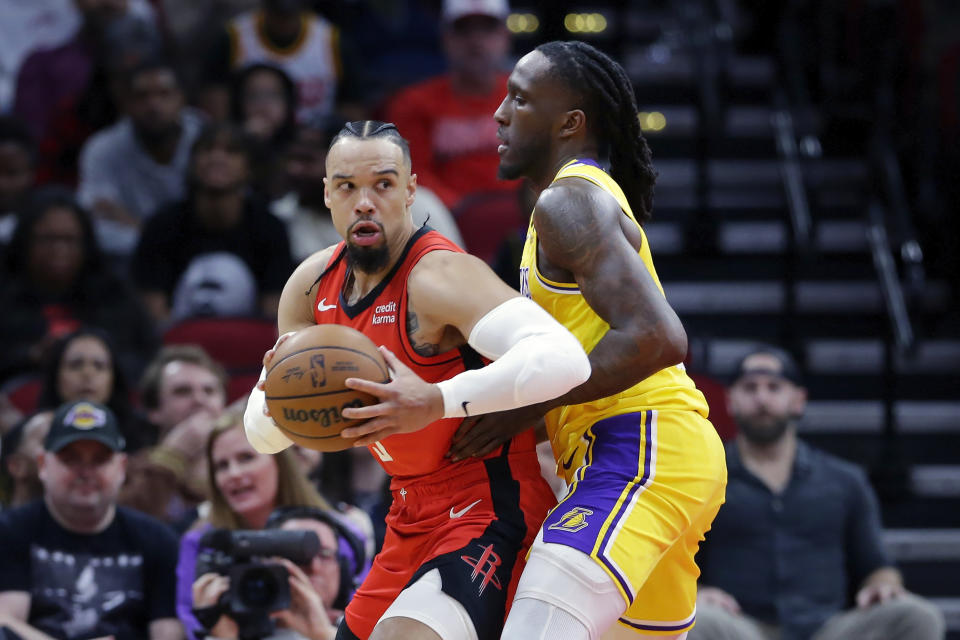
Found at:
(262, 433)
(534, 358)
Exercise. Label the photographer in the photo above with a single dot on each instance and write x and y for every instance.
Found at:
(319, 588)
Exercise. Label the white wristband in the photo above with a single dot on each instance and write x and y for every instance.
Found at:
(262, 433)
(535, 359)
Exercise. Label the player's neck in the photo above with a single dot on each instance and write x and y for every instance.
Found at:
(562, 157)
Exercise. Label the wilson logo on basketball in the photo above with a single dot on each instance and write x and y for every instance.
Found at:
(322, 417)
(485, 568)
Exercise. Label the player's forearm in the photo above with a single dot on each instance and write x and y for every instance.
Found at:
(535, 358)
(622, 359)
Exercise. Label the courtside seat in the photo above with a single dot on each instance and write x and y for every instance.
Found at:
(23, 393)
(236, 343)
(486, 220)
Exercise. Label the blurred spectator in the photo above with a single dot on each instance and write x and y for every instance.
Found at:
(50, 76)
(55, 280)
(27, 27)
(220, 252)
(263, 101)
(21, 448)
(82, 365)
(75, 565)
(17, 160)
(305, 45)
(309, 225)
(449, 119)
(799, 534)
(138, 165)
(399, 41)
(183, 392)
(245, 487)
(76, 117)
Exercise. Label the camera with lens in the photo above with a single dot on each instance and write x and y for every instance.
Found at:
(257, 586)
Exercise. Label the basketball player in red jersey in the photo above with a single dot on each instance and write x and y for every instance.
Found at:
(457, 533)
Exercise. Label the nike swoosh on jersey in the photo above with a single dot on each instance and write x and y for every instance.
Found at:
(566, 465)
(325, 307)
(457, 514)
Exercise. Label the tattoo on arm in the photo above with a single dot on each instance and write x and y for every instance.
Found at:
(425, 349)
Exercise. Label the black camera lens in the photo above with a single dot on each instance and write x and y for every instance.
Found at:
(258, 589)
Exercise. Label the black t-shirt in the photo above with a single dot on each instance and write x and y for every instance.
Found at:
(86, 586)
(173, 237)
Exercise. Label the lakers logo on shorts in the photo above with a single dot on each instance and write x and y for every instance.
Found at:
(573, 520)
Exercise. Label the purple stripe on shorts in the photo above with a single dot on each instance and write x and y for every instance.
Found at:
(613, 465)
(647, 449)
(656, 627)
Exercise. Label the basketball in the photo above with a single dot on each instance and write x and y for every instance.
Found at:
(305, 389)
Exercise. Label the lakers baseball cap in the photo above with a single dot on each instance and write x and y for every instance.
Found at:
(83, 420)
(785, 368)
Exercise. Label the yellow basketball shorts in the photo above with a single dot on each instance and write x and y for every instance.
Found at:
(646, 488)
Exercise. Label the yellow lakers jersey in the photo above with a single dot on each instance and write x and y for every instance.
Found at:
(668, 389)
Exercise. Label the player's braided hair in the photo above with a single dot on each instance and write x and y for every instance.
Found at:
(606, 97)
(374, 129)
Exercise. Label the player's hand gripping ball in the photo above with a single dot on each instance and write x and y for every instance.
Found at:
(305, 389)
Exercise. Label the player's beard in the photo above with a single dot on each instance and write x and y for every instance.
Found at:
(368, 259)
(763, 432)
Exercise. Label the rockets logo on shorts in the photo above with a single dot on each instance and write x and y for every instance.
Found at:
(573, 520)
(485, 567)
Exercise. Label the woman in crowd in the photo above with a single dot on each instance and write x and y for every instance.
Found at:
(245, 487)
(54, 280)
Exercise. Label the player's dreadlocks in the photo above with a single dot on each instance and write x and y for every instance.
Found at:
(607, 99)
(374, 129)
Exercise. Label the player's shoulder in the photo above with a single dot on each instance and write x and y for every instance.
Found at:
(575, 206)
(440, 266)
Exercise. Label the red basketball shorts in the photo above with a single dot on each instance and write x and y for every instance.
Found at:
(473, 522)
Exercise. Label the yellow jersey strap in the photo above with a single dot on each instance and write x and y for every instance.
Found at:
(590, 170)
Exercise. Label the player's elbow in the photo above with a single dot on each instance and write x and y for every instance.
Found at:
(674, 340)
(663, 343)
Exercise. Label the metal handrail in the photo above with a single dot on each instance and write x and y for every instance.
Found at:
(790, 172)
(890, 287)
(895, 214)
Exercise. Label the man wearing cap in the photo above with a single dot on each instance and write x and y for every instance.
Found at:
(446, 119)
(800, 531)
(75, 565)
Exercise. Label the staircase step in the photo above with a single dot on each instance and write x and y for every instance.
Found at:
(854, 297)
(867, 416)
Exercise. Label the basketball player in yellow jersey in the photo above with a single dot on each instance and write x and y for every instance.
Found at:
(646, 471)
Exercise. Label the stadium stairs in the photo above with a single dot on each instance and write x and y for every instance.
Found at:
(725, 246)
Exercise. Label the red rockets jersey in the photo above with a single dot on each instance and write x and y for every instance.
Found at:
(381, 315)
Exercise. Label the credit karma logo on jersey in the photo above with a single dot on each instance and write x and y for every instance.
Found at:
(573, 520)
(385, 314)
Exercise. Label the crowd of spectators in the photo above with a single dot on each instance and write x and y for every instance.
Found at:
(163, 160)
